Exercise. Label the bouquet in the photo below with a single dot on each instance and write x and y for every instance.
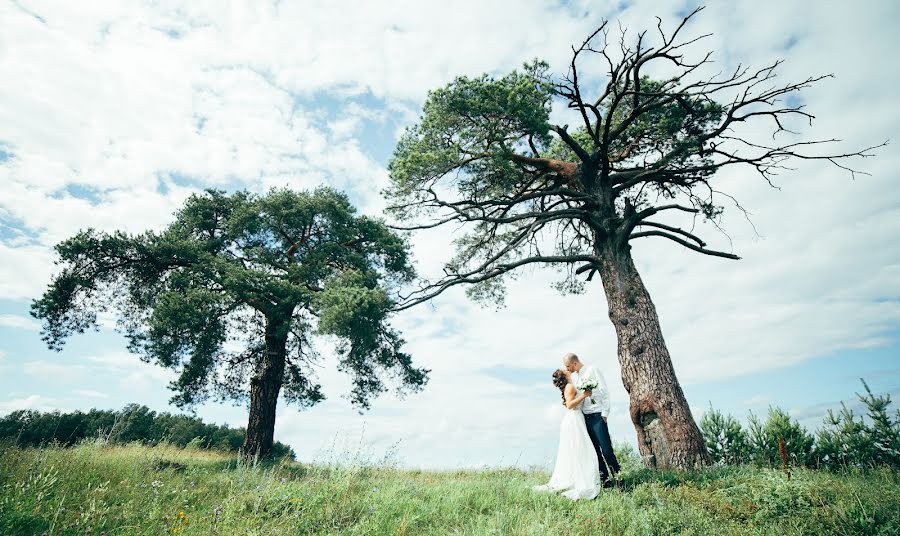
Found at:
(588, 385)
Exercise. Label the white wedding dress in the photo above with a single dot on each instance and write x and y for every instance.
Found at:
(576, 473)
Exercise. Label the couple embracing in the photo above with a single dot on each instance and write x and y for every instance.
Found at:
(585, 460)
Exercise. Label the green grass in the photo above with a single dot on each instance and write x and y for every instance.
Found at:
(163, 490)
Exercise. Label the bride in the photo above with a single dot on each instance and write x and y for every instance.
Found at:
(576, 473)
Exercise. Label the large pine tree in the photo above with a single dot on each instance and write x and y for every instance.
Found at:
(232, 292)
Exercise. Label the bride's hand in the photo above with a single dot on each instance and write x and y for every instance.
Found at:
(587, 393)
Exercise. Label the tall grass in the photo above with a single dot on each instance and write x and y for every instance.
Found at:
(142, 490)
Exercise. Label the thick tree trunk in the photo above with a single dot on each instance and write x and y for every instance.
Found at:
(666, 432)
(264, 388)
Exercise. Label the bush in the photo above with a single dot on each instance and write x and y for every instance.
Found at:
(844, 441)
(725, 440)
(628, 458)
(763, 439)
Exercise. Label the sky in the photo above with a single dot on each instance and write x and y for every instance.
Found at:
(112, 113)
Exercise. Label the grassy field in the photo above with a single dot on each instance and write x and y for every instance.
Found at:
(94, 489)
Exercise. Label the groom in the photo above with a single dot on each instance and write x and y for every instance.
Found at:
(595, 416)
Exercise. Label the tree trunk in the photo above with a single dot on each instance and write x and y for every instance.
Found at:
(667, 435)
(264, 388)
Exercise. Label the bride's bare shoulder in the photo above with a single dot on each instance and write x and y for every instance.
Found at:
(570, 388)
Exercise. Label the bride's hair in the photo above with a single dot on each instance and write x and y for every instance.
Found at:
(559, 380)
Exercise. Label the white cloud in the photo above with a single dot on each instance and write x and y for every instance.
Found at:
(33, 402)
(90, 393)
(116, 360)
(19, 322)
(24, 270)
(758, 400)
(134, 375)
(57, 372)
(147, 378)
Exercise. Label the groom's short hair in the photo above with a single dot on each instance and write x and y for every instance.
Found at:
(571, 358)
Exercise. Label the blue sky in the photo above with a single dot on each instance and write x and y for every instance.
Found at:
(121, 110)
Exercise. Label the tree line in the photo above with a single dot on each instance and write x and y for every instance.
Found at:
(29, 428)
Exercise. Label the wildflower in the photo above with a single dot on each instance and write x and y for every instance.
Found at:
(181, 521)
(782, 451)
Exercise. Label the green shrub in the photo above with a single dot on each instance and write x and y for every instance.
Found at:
(844, 441)
(628, 458)
(725, 440)
(763, 439)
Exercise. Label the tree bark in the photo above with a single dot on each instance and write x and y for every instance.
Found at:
(265, 386)
(667, 435)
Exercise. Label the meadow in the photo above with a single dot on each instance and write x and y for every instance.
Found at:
(95, 489)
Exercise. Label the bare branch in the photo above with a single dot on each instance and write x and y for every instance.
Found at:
(676, 230)
(432, 290)
(685, 244)
(574, 145)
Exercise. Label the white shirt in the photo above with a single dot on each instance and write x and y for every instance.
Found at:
(600, 394)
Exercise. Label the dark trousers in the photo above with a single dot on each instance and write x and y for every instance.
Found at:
(599, 434)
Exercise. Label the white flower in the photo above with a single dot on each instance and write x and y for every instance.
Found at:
(588, 385)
